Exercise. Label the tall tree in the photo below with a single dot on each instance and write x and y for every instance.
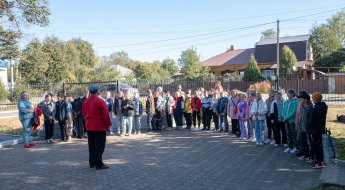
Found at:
(190, 64)
(252, 72)
(287, 60)
(122, 58)
(34, 63)
(328, 42)
(87, 55)
(170, 65)
(104, 72)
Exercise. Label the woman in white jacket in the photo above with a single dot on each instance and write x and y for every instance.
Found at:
(259, 111)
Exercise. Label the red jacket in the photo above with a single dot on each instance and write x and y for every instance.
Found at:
(38, 113)
(198, 104)
(96, 114)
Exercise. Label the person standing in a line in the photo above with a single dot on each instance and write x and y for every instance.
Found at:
(196, 107)
(231, 107)
(26, 116)
(150, 109)
(128, 107)
(97, 120)
(48, 108)
(62, 117)
(270, 126)
(86, 95)
(110, 104)
(70, 117)
(118, 111)
(138, 113)
(77, 106)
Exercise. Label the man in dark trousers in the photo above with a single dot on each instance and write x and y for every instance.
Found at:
(97, 121)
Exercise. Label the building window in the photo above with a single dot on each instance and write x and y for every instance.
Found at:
(267, 74)
(241, 73)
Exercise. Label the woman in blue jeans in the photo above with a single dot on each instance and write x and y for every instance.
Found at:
(26, 115)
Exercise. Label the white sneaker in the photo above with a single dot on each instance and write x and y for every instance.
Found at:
(241, 138)
(48, 141)
(276, 145)
(251, 138)
(139, 133)
(294, 151)
(253, 141)
(198, 129)
(267, 141)
(261, 144)
(257, 143)
(51, 140)
(301, 158)
(287, 150)
(273, 142)
(285, 145)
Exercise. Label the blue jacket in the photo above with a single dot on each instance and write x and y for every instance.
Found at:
(61, 111)
(77, 107)
(23, 107)
(138, 110)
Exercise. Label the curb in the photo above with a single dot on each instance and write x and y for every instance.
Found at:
(8, 143)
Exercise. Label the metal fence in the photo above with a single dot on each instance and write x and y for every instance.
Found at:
(332, 86)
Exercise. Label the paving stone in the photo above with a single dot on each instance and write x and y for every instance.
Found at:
(166, 160)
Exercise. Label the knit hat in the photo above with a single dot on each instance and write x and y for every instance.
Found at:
(317, 96)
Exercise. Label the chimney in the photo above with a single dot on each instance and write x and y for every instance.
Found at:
(232, 48)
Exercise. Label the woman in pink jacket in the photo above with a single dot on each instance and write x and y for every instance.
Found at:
(168, 109)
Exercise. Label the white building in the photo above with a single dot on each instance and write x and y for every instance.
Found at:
(3, 73)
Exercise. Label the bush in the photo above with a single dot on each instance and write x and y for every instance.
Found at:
(262, 87)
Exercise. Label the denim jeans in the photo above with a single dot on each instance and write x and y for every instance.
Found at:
(127, 121)
(224, 119)
(150, 122)
(259, 130)
(27, 128)
(252, 127)
(119, 120)
(111, 119)
(136, 122)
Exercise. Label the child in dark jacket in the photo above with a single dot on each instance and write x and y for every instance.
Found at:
(128, 107)
(178, 108)
(61, 116)
(222, 111)
(304, 120)
(317, 127)
(138, 112)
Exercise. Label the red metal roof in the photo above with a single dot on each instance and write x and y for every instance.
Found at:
(234, 57)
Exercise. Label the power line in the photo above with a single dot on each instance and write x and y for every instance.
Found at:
(206, 22)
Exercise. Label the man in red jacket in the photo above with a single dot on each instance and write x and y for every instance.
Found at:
(97, 121)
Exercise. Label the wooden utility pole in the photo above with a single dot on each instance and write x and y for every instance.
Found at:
(277, 54)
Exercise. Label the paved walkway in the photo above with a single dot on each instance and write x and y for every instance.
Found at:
(167, 160)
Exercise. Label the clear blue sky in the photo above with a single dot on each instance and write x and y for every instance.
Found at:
(155, 30)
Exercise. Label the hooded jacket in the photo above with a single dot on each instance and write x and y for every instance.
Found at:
(305, 117)
(222, 106)
(318, 119)
(274, 110)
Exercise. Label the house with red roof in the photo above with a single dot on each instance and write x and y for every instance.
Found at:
(265, 53)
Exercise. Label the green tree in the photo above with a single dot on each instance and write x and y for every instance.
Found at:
(232, 76)
(34, 63)
(287, 60)
(170, 65)
(190, 64)
(9, 45)
(122, 58)
(104, 72)
(267, 34)
(87, 55)
(328, 42)
(252, 72)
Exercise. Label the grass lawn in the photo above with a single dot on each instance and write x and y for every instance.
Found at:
(337, 128)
